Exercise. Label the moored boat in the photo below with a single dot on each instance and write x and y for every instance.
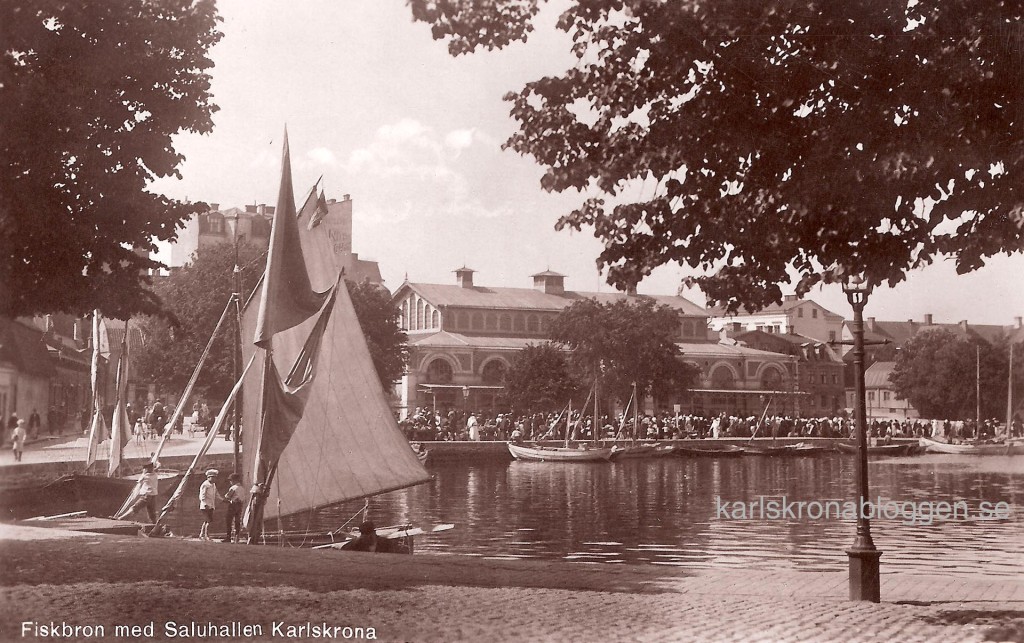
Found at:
(585, 453)
(1010, 447)
(636, 451)
(881, 449)
(724, 451)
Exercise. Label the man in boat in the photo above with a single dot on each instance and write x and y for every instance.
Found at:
(368, 540)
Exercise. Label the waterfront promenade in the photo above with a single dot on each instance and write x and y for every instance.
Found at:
(94, 580)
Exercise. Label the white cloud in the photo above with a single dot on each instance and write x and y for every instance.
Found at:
(322, 155)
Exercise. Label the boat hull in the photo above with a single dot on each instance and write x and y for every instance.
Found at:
(1013, 447)
(97, 495)
(638, 451)
(559, 454)
(726, 451)
(893, 450)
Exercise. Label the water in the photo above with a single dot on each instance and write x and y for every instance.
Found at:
(667, 511)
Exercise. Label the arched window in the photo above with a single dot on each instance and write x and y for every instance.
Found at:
(439, 372)
(492, 321)
(531, 324)
(494, 372)
(520, 324)
(722, 378)
(505, 322)
(405, 314)
(478, 321)
(435, 319)
(545, 323)
(419, 314)
(771, 379)
(463, 320)
(688, 328)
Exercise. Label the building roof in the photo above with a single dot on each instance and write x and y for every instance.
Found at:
(709, 350)
(877, 375)
(115, 333)
(786, 305)
(447, 339)
(898, 332)
(795, 342)
(530, 298)
(24, 346)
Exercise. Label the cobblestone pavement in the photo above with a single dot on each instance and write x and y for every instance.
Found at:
(109, 581)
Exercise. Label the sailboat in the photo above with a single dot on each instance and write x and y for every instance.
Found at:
(318, 424)
(642, 450)
(583, 453)
(102, 493)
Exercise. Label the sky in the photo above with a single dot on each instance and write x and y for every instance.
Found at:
(379, 109)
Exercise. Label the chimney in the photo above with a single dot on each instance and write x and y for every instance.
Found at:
(928, 319)
(463, 276)
(346, 197)
(214, 207)
(1019, 322)
(548, 282)
(789, 298)
(261, 209)
(331, 201)
(871, 324)
(250, 209)
(963, 325)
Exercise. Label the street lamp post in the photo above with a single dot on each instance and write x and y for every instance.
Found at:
(863, 556)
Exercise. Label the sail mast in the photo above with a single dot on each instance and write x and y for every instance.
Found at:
(977, 391)
(97, 427)
(1009, 397)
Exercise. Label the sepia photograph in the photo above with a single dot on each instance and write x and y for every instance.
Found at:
(512, 320)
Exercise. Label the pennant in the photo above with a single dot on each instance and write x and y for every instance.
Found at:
(319, 212)
(288, 299)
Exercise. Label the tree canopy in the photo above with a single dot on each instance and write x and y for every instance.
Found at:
(539, 379)
(379, 320)
(197, 294)
(762, 142)
(91, 95)
(936, 372)
(624, 342)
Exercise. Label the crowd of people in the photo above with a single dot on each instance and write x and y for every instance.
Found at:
(431, 425)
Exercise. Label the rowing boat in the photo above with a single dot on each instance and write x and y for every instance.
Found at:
(1012, 447)
(584, 453)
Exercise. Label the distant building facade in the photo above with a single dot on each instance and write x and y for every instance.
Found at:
(800, 316)
(252, 224)
(463, 337)
(819, 369)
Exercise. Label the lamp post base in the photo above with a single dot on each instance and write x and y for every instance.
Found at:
(865, 584)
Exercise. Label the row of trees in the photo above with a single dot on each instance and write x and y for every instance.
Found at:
(616, 346)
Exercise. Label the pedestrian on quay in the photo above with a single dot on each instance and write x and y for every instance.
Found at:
(51, 420)
(235, 502)
(34, 423)
(208, 496)
(18, 439)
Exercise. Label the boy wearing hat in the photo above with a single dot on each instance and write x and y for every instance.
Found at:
(234, 498)
(208, 496)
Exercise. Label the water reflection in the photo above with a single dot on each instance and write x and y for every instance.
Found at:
(666, 512)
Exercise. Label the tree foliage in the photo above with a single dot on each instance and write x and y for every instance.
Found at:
(196, 295)
(379, 319)
(624, 342)
(539, 379)
(777, 139)
(936, 372)
(91, 95)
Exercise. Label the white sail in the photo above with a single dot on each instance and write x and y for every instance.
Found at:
(97, 426)
(120, 429)
(347, 444)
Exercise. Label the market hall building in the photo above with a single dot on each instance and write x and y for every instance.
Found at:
(463, 337)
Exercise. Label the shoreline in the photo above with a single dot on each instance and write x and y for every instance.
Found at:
(49, 575)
